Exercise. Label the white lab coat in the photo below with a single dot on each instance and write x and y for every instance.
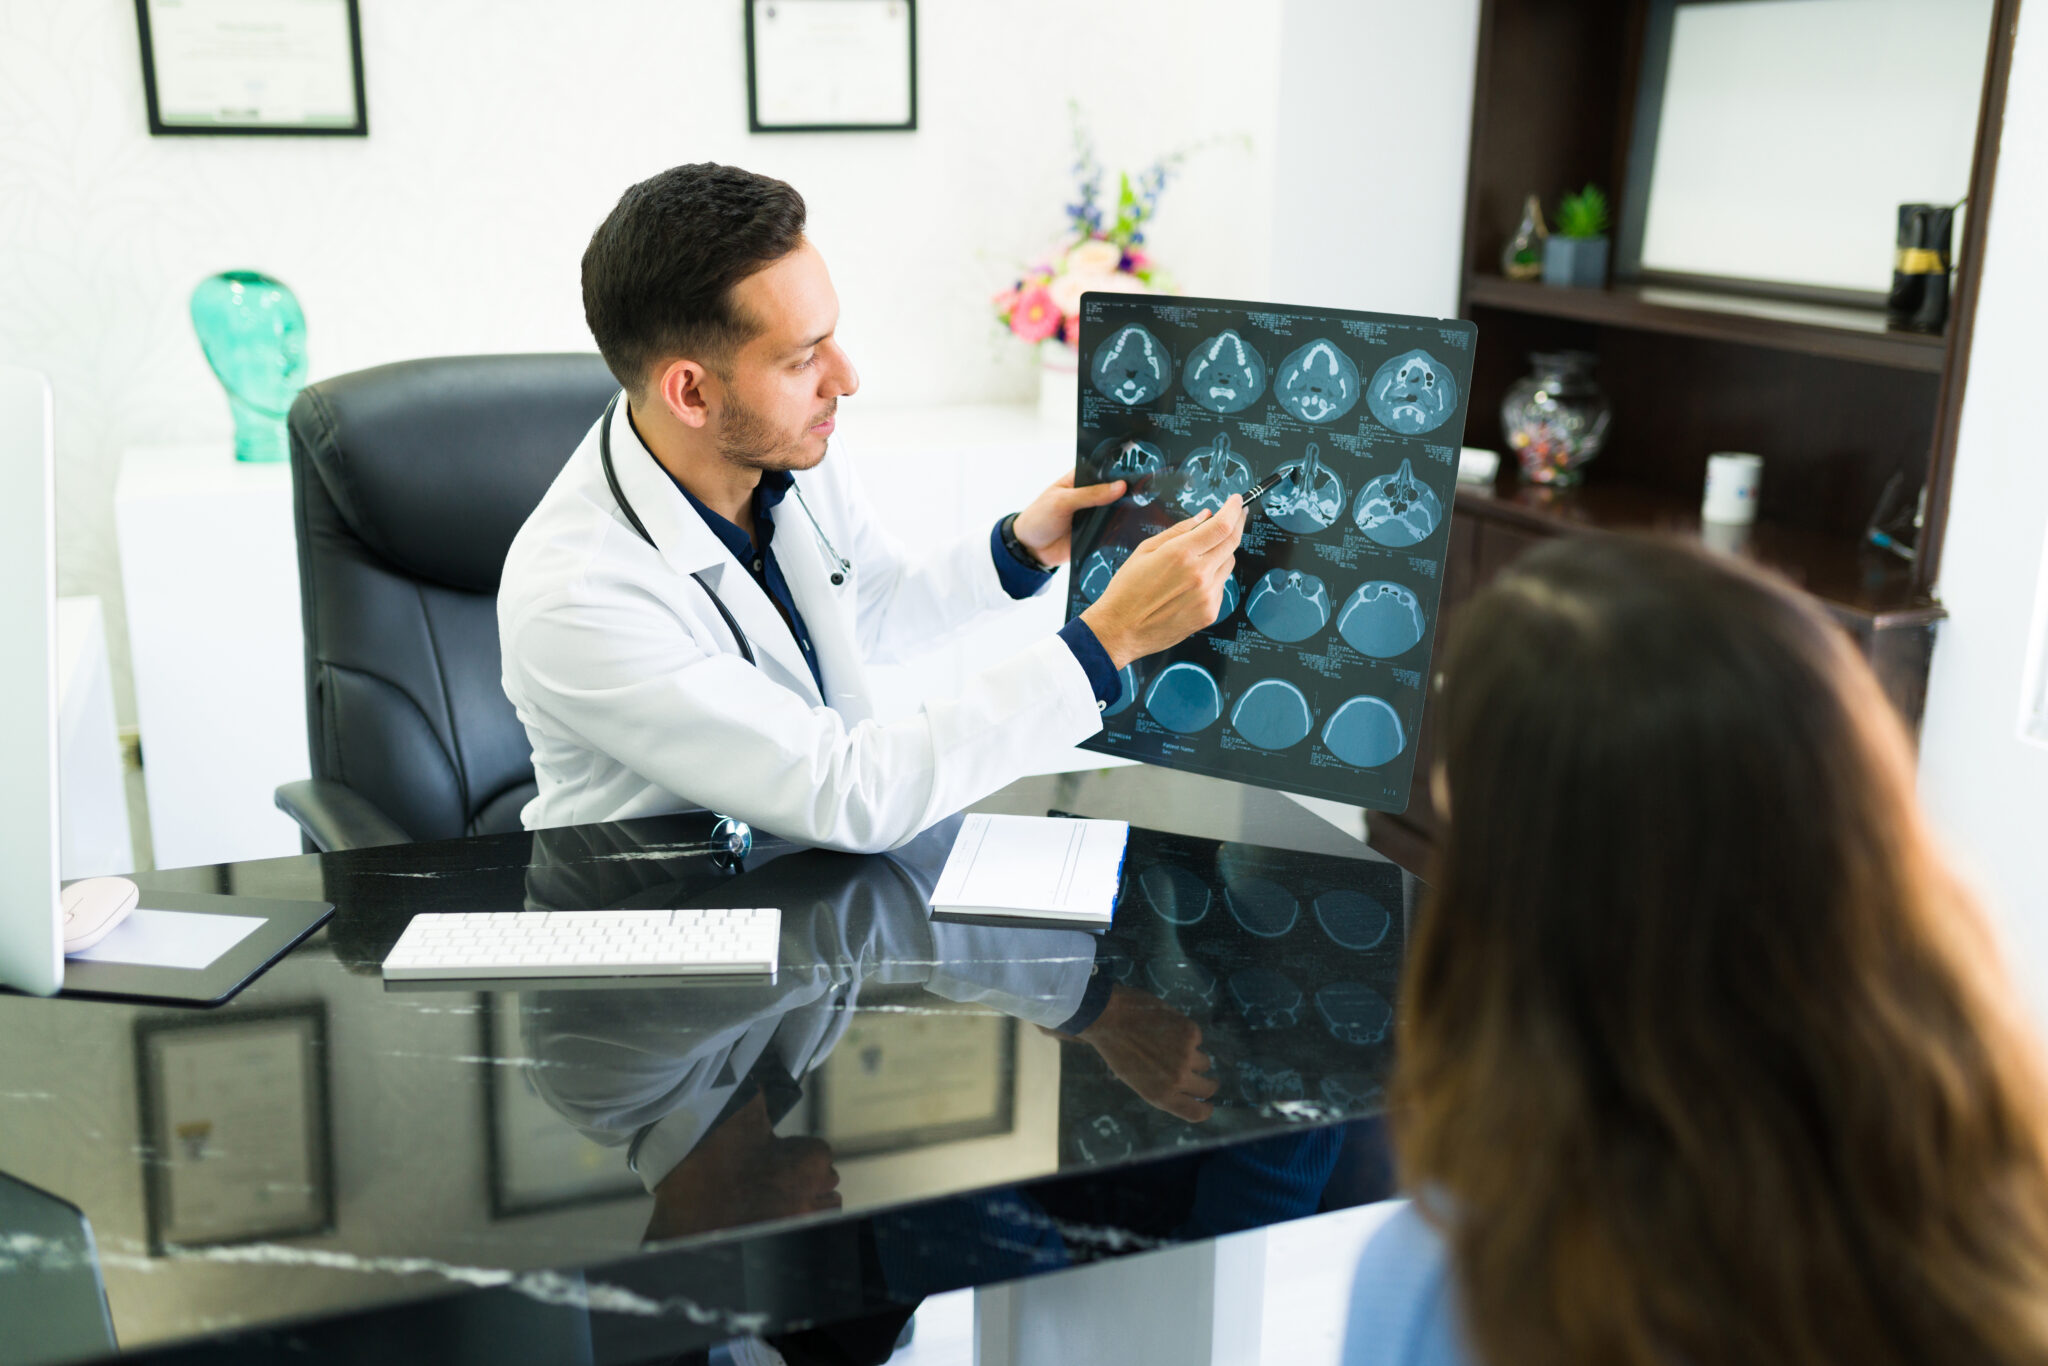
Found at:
(637, 701)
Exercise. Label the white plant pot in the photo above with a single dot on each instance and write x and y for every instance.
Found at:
(1059, 387)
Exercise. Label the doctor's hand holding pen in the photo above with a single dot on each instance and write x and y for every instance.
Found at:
(1170, 587)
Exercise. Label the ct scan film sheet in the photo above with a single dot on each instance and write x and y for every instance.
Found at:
(1313, 678)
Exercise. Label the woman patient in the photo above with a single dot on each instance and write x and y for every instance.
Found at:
(1705, 1056)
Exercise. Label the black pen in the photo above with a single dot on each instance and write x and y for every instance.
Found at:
(1265, 486)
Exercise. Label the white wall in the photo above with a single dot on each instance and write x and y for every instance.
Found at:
(1375, 121)
(503, 130)
(1985, 783)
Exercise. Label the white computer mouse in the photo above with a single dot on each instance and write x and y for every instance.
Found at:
(93, 906)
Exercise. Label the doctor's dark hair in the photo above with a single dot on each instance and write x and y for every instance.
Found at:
(1705, 1055)
(659, 272)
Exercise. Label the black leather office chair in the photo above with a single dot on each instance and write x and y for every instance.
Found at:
(409, 482)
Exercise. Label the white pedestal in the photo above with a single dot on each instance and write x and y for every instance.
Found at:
(92, 799)
(1197, 1305)
(210, 569)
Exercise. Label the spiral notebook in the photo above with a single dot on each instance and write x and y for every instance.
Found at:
(1032, 871)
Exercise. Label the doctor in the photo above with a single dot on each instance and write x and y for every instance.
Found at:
(687, 616)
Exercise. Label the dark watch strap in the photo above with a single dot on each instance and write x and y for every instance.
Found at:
(1008, 530)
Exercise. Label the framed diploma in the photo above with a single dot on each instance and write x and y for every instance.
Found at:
(253, 66)
(831, 66)
(235, 1126)
(915, 1080)
(536, 1160)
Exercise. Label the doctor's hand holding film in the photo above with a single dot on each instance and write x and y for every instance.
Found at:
(1170, 587)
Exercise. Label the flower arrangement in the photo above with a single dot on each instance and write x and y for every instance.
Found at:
(1098, 253)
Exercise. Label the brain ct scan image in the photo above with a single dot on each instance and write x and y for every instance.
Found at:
(1287, 605)
(1273, 714)
(1309, 498)
(1224, 375)
(1312, 674)
(1261, 1084)
(1382, 619)
(1398, 509)
(1181, 984)
(1365, 732)
(1126, 690)
(1266, 998)
(1412, 393)
(1231, 593)
(1318, 383)
(1354, 1013)
(1131, 367)
(1175, 895)
(1184, 698)
(1352, 919)
(1261, 906)
(1213, 474)
(1099, 569)
(1104, 1139)
(1135, 462)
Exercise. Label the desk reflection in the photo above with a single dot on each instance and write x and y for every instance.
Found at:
(1231, 995)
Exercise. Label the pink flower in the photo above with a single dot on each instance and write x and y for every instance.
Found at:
(1071, 333)
(1006, 301)
(1035, 317)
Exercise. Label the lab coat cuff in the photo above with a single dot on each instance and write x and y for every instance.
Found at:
(1094, 1001)
(1019, 580)
(1094, 661)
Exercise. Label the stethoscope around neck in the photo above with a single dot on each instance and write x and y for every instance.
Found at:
(611, 478)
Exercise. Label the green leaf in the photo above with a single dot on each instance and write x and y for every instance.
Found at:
(1584, 214)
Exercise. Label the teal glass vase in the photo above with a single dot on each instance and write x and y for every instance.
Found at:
(254, 335)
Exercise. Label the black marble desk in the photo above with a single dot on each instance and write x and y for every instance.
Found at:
(335, 1169)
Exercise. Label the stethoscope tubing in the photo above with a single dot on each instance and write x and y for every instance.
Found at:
(611, 477)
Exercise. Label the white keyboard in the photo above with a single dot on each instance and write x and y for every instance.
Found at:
(486, 945)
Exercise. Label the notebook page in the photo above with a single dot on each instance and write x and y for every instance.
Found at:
(1033, 864)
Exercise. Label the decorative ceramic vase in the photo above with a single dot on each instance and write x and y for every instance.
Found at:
(1059, 386)
(1576, 261)
(1556, 418)
(254, 335)
(1522, 257)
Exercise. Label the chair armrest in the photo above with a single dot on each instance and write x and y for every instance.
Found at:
(336, 816)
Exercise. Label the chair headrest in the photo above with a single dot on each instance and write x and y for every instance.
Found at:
(436, 464)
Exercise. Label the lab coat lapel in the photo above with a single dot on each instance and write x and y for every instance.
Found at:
(828, 610)
(689, 547)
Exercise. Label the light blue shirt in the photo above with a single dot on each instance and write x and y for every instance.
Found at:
(1403, 1305)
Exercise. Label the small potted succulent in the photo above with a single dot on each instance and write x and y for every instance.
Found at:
(1575, 253)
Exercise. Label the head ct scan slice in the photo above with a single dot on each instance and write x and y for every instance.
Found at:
(1412, 393)
(1213, 474)
(1311, 677)
(1131, 367)
(1309, 498)
(1224, 374)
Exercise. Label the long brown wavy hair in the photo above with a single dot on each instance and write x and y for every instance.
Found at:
(1706, 1057)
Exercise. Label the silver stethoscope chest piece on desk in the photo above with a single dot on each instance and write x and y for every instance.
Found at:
(842, 568)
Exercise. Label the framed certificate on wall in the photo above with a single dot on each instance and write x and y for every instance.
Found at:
(831, 66)
(253, 66)
(235, 1129)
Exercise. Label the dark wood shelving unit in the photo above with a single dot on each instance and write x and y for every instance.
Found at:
(1810, 329)
(1856, 581)
(1838, 404)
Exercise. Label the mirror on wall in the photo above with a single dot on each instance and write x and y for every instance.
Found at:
(1776, 138)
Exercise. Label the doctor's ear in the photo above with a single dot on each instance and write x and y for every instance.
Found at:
(679, 387)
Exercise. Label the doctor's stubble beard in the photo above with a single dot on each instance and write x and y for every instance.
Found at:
(746, 439)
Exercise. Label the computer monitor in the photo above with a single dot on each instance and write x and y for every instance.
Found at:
(31, 918)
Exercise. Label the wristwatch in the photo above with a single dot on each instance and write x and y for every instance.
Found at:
(1008, 531)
